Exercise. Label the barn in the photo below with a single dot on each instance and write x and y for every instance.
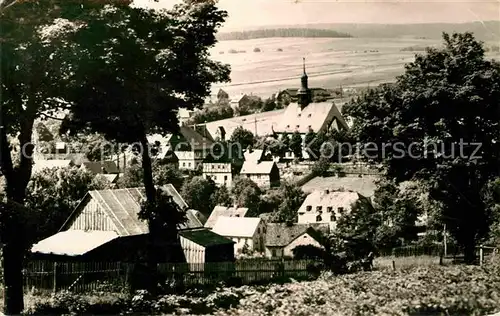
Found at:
(105, 227)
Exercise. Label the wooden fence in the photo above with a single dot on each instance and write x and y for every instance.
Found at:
(89, 276)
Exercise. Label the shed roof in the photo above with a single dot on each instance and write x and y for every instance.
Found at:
(219, 211)
(236, 226)
(205, 237)
(73, 242)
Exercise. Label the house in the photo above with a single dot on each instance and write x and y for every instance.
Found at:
(191, 146)
(198, 215)
(238, 101)
(222, 95)
(105, 226)
(247, 232)
(226, 211)
(201, 245)
(100, 167)
(184, 115)
(265, 173)
(222, 165)
(327, 206)
(281, 239)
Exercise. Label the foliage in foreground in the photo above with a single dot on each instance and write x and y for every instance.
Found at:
(456, 290)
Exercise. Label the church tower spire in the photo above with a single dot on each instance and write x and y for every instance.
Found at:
(304, 94)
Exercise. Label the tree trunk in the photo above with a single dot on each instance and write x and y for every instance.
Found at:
(151, 199)
(12, 258)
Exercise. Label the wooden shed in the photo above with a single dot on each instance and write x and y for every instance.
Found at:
(202, 246)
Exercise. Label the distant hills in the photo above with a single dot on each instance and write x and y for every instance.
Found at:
(279, 32)
(484, 31)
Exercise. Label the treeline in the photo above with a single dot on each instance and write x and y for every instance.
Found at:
(280, 32)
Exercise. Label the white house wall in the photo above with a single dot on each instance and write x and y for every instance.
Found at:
(92, 218)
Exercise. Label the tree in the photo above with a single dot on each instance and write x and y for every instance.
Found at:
(296, 145)
(34, 73)
(222, 197)
(162, 175)
(55, 192)
(126, 96)
(269, 105)
(198, 193)
(243, 137)
(246, 193)
(292, 198)
(321, 167)
(444, 112)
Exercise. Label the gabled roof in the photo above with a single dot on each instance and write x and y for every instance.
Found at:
(314, 116)
(281, 235)
(109, 177)
(96, 166)
(264, 122)
(39, 165)
(254, 155)
(334, 199)
(189, 136)
(202, 218)
(236, 226)
(263, 167)
(73, 242)
(205, 237)
(122, 206)
(219, 211)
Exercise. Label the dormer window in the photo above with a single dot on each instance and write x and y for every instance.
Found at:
(329, 209)
(318, 208)
(308, 208)
(341, 210)
(309, 115)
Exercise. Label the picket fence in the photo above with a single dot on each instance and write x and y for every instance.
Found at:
(90, 276)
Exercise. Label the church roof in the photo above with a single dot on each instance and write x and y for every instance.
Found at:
(315, 116)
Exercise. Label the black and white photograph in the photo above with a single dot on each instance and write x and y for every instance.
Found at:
(250, 157)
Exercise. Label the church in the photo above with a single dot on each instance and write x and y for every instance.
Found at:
(301, 116)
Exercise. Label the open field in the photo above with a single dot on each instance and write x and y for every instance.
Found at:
(330, 62)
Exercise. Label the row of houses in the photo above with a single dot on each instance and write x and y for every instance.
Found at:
(105, 226)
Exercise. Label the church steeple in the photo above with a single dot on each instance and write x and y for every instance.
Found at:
(304, 94)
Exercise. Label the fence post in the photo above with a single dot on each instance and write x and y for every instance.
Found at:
(54, 289)
(481, 254)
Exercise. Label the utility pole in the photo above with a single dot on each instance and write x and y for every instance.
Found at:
(255, 125)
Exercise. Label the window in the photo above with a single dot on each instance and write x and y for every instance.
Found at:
(305, 236)
(288, 126)
(258, 230)
(341, 210)
(309, 115)
(298, 126)
(189, 164)
(318, 218)
(274, 252)
(329, 209)
(333, 218)
(215, 177)
(218, 166)
(263, 230)
(248, 176)
(318, 208)
(183, 164)
(225, 178)
(309, 208)
(299, 115)
(213, 167)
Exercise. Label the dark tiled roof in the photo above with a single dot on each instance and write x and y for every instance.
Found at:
(205, 237)
(281, 235)
(96, 166)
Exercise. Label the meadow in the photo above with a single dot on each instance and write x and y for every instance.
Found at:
(330, 62)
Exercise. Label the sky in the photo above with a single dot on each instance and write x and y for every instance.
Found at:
(244, 14)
